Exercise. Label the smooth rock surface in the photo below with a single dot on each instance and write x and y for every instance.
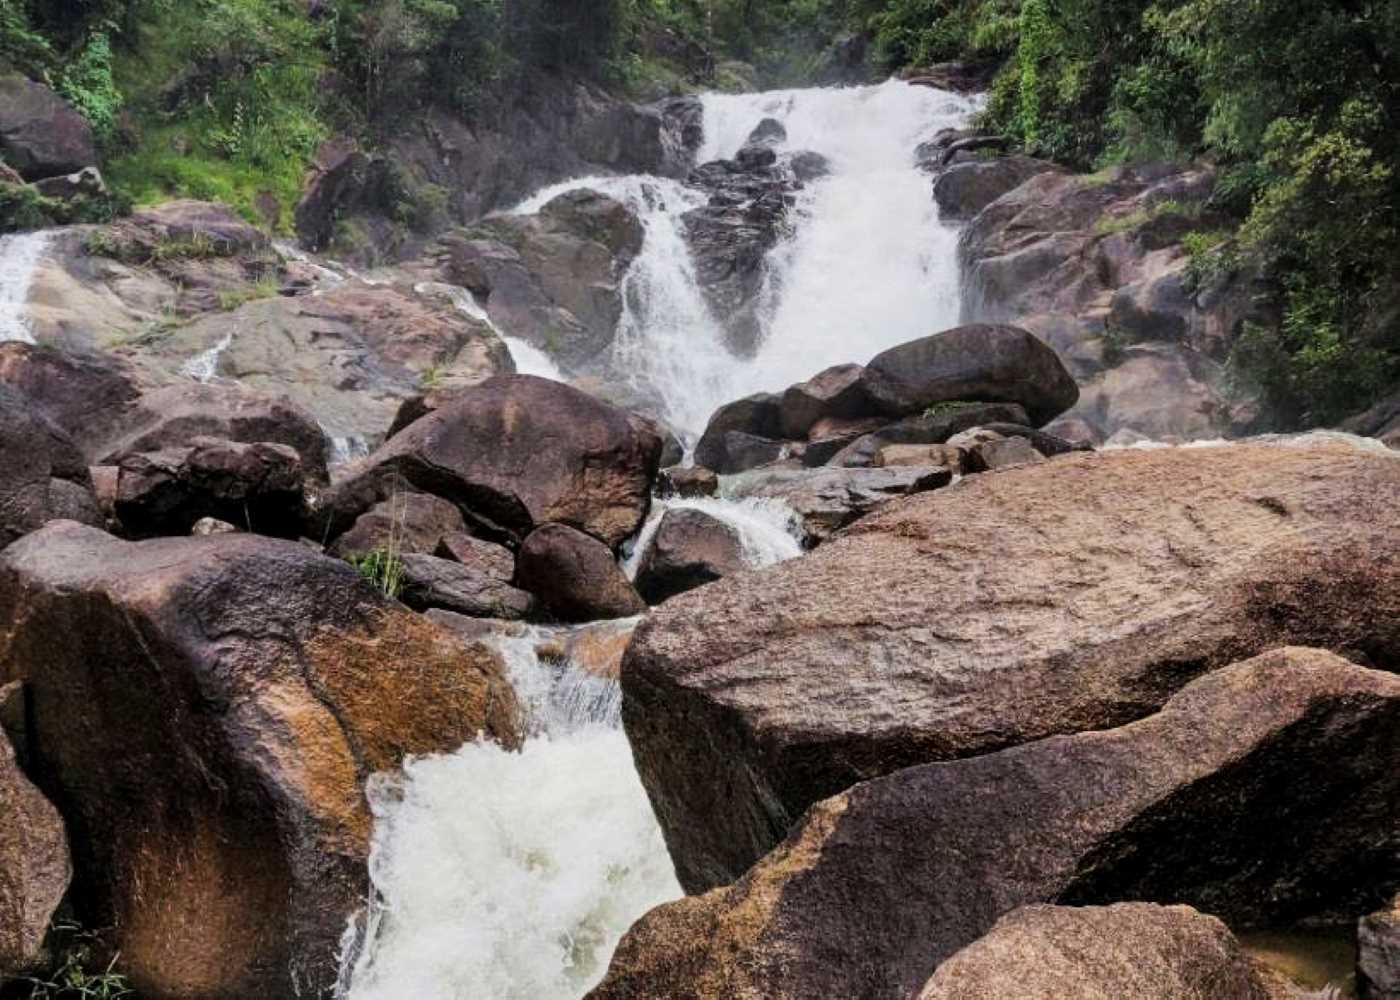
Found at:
(575, 577)
(880, 885)
(1074, 594)
(690, 549)
(430, 582)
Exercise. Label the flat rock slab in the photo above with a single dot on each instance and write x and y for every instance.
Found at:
(1220, 801)
(1074, 594)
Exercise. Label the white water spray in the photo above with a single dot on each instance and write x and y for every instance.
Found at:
(204, 366)
(769, 530)
(20, 255)
(529, 359)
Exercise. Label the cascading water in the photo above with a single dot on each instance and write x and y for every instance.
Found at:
(869, 264)
(20, 255)
(502, 875)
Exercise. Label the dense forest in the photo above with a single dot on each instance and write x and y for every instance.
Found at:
(1294, 103)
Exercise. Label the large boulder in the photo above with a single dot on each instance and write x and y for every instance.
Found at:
(837, 393)
(756, 416)
(1073, 594)
(41, 135)
(174, 416)
(515, 452)
(1137, 950)
(575, 576)
(554, 279)
(34, 867)
(964, 189)
(39, 468)
(690, 549)
(205, 712)
(258, 487)
(408, 522)
(978, 363)
(1215, 802)
(79, 392)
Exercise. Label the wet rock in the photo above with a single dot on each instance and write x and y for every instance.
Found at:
(972, 364)
(34, 867)
(837, 393)
(1105, 953)
(686, 482)
(933, 427)
(495, 561)
(966, 77)
(759, 415)
(41, 135)
(173, 417)
(809, 166)
(430, 582)
(964, 189)
(1085, 569)
(258, 486)
(690, 549)
(39, 466)
(574, 576)
(1378, 961)
(552, 279)
(206, 711)
(512, 453)
(827, 500)
(596, 648)
(408, 522)
(874, 890)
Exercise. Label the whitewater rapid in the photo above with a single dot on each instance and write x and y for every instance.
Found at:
(20, 255)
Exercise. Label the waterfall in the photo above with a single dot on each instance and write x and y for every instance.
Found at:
(204, 366)
(20, 255)
(868, 266)
(507, 875)
(529, 359)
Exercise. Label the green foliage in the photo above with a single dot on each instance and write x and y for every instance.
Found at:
(23, 207)
(383, 569)
(264, 288)
(77, 976)
(87, 83)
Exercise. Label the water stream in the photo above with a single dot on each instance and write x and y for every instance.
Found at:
(511, 875)
(20, 255)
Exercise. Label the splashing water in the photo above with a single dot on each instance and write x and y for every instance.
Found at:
(20, 255)
(529, 359)
(769, 530)
(204, 367)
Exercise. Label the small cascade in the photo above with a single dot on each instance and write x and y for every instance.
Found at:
(769, 530)
(20, 255)
(204, 367)
(347, 448)
(511, 875)
(529, 359)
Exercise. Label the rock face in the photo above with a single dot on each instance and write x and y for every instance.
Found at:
(552, 279)
(431, 582)
(875, 889)
(257, 487)
(1378, 961)
(34, 867)
(173, 417)
(690, 549)
(496, 561)
(996, 613)
(204, 713)
(41, 135)
(39, 467)
(992, 364)
(575, 577)
(964, 189)
(516, 452)
(1105, 953)
(79, 392)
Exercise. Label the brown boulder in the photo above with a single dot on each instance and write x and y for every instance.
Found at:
(756, 416)
(978, 363)
(686, 482)
(837, 393)
(257, 487)
(41, 135)
(575, 576)
(496, 561)
(408, 522)
(1215, 801)
(690, 549)
(174, 416)
(34, 867)
(515, 452)
(1069, 595)
(1136, 950)
(964, 189)
(430, 582)
(205, 712)
(38, 462)
(78, 392)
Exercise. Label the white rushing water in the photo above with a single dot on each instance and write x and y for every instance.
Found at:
(20, 255)
(868, 265)
(504, 875)
(529, 359)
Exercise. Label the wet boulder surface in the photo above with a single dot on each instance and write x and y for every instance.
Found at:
(876, 888)
(204, 712)
(996, 613)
